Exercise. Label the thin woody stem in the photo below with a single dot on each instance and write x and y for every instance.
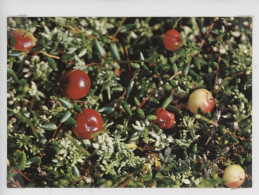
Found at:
(117, 31)
(20, 172)
(93, 64)
(49, 55)
(207, 33)
(56, 130)
(128, 60)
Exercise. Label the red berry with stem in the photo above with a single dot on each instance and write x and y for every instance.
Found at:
(172, 40)
(164, 119)
(88, 123)
(75, 84)
(24, 40)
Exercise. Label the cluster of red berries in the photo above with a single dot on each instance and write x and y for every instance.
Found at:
(75, 84)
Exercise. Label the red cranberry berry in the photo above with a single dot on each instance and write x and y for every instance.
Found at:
(172, 40)
(88, 122)
(75, 84)
(24, 40)
(165, 119)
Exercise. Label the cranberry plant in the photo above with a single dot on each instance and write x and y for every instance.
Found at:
(132, 74)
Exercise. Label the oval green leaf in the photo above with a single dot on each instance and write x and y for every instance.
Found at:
(49, 126)
(65, 116)
(65, 103)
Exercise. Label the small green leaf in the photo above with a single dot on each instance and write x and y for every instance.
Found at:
(186, 69)
(151, 117)
(194, 148)
(26, 114)
(107, 109)
(166, 102)
(194, 151)
(77, 108)
(118, 89)
(37, 48)
(126, 107)
(198, 64)
(215, 31)
(82, 52)
(12, 74)
(141, 113)
(33, 160)
(215, 64)
(173, 109)
(75, 171)
(126, 27)
(134, 65)
(156, 128)
(71, 122)
(129, 88)
(67, 56)
(100, 49)
(49, 126)
(194, 74)
(11, 40)
(65, 117)
(168, 87)
(52, 63)
(14, 53)
(146, 69)
(65, 103)
(136, 100)
(153, 100)
(141, 56)
(54, 160)
(174, 67)
(115, 51)
(234, 139)
(22, 163)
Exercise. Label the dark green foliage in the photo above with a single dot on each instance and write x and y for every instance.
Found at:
(132, 74)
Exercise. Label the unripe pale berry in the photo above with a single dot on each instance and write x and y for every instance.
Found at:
(234, 176)
(201, 99)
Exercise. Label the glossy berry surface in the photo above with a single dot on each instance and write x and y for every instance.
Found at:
(234, 176)
(75, 84)
(88, 122)
(172, 40)
(164, 119)
(24, 40)
(201, 99)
